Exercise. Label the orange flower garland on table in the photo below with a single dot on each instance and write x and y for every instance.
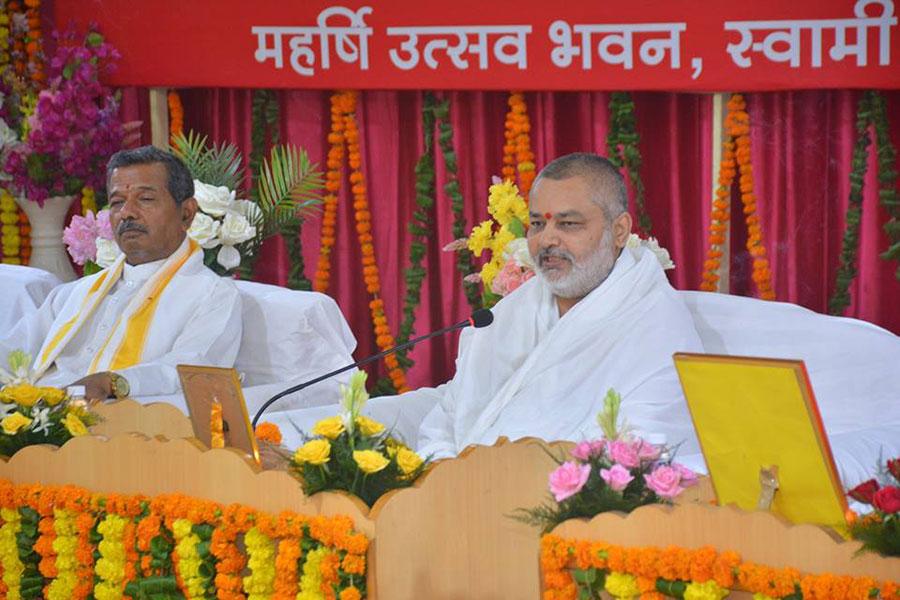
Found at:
(736, 159)
(176, 114)
(692, 566)
(345, 135)
(517, 154)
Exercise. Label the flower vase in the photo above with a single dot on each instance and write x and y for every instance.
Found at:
(47, 222)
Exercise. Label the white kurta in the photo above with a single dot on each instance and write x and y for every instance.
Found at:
(531, 373)
(197, 321)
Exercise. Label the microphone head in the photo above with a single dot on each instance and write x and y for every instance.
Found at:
(481, 317)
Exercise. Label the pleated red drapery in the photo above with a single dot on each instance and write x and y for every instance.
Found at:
(801, 151)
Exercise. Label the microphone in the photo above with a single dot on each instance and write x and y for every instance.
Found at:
(480, 318)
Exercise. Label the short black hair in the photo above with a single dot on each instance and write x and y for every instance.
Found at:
(602, 175)
(179, 180)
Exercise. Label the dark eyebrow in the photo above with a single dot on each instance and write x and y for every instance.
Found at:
(146, 188)
(569, 214)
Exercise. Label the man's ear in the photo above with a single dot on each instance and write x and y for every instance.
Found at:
(188, 210)
(621, 229)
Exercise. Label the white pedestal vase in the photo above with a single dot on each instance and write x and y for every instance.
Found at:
(47, 222)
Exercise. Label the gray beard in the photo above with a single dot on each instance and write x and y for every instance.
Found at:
(584, 276)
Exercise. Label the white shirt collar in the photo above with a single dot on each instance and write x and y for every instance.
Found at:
(135, 274)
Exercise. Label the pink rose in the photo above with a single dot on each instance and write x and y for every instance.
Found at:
(568, 479)
(647, 452)
(664, 481)
(887, 500)
(688, 477)
(616, 477)
(624, 453)
(583, 451)
(509, 278)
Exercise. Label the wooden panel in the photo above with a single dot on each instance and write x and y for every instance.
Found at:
(450, 537)
(158, 418)
(159, 118)
(759, 537)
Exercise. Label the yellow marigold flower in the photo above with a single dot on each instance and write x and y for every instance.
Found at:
(503, 237)
(505, 203)
(330, 427)
(489, 270)
(23, 394)
(75, 425)
(314, 452)
(408, 461)
(11, 424)
(480, 238)
(370, 461)
(52, 396)
(368, 426)
(709, 590)
(622, 585)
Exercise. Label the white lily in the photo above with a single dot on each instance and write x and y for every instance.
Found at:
(41, 421)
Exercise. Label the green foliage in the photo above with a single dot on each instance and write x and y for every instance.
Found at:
(887, 178)
(215, 164)
(288, 187)
(881, 536)
(623, 148)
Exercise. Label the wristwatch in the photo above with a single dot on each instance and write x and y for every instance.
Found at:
(120, 388)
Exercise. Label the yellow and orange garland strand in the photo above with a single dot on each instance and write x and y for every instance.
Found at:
(345, 134)
(517, 155)
(641, 568)
(10, 239)
(736, 159)
(176, 114)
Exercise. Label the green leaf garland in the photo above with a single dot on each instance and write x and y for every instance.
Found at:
(622, 143)
(887, 179)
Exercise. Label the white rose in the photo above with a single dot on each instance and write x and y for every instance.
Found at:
(250, 210)
(228, 257)
(662, 255)
(518, 250)
(235, 229)
(213, 200)
(107, 252)
(204, 230)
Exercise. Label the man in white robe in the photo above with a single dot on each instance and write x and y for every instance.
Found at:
(122, 331)
(597, 316)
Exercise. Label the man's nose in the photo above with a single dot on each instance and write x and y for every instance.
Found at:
(129, 210)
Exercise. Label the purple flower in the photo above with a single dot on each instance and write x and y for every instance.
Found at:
(583, 451)
(616, 477)
(664, 481)
(568, 479)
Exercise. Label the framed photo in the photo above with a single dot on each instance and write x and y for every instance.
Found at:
(202, 387)
(753, 414)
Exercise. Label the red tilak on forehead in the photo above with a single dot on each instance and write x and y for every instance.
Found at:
(548, 215)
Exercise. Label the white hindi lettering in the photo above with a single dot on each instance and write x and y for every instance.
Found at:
(786, 35)
(303, 57)
(509, 45)
(619, 38)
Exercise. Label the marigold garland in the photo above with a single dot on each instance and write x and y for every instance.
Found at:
(340, 104)
(5, 57)
(737, 148)
(176, 114)
(518, 159)
(10, 240)
(34, 42)
(650, 572)
(209, 541)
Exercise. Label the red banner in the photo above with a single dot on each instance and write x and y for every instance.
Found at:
(479, 44)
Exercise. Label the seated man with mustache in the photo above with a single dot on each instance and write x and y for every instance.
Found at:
(122, 331)
(598, 315)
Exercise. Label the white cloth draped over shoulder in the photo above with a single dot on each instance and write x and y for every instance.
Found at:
(138, 321)
(532, 373)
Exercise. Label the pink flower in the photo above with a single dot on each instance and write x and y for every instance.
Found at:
(510, 277)
(104, 227)
(583, 451)
(664, 481)
(568, 479)
(81, 238)
(647, 452)
(624, 453)
(616, 477)
(688, 477)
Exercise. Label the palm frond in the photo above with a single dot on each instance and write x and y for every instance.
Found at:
(289, 187)
(215, 164)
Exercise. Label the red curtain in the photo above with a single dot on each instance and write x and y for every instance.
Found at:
(801, 144)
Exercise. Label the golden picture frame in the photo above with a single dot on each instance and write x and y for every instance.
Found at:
(204, 385)
(752, 414)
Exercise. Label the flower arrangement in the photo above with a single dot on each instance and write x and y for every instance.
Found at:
(69, 131)
(30, 414)
(90, 241)
(619, 471)
(879, 531)
(64, 542)
(510, 264)
(355, 453)
(581, 569)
